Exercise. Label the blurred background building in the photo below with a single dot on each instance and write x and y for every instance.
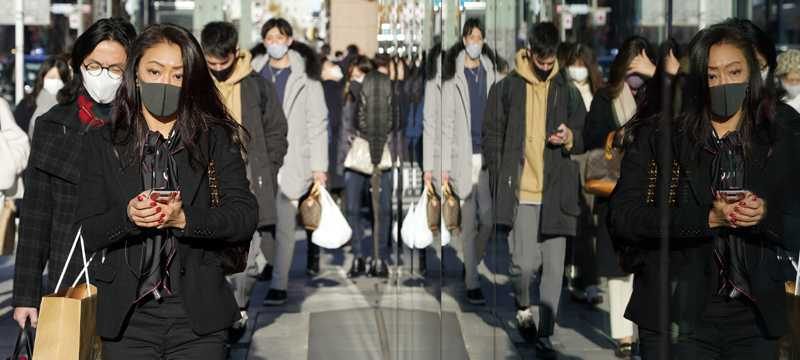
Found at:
(404, 27)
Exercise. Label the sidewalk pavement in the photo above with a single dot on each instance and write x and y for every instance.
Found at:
(332, 317)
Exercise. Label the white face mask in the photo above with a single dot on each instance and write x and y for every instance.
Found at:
(359, 79)
(101, 88)
(474, 50)
(792, 90)
(334, 73)
(578, 73)
(277, 51)
(52, 86)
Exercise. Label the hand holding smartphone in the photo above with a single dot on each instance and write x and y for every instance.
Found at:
(733, 195)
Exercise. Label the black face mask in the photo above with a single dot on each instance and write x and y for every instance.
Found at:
(161, 100)
(542, 74)
(727, 99)
(224, 74)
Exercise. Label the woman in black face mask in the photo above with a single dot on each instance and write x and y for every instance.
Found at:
(165, 193)
(726, 296)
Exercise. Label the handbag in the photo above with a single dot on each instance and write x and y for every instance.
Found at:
(311, 209)
(359, 160)
(434, 209)
(603, 168)
(233, 257)
(451, 210)
(71, 311)
(8, 228)
(23, 350)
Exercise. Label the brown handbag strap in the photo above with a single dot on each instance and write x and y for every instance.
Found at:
(609, 145)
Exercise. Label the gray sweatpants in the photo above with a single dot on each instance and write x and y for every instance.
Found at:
(285, 240)
(528, 253)
(476, 228)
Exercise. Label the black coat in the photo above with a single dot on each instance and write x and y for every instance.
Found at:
(503, 152)
(634, 220)
(105, 191)
(47, 218)
(263, 118)
(789, 122)
(599, 122)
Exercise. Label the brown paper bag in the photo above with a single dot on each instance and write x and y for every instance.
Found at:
(66, 329)
(67, 318)
(8, 228)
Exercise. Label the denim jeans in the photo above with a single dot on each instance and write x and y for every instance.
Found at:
(356, 187)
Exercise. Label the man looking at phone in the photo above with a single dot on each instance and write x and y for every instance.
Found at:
(534, 121)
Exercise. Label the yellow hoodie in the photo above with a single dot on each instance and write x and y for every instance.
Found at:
(230, 89)
(532, 180)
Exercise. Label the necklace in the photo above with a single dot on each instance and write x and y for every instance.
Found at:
(275, 72)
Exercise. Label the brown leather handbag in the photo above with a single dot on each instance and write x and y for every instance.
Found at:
(434, 209)
(451, 209)
(602, 168)
(311, 209)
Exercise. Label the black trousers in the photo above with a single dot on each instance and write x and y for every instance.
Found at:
(161, 330)
(728, 330)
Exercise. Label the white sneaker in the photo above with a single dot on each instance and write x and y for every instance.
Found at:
(242, 323)
(525, 318)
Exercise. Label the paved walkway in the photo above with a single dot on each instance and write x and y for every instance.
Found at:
(332, 317)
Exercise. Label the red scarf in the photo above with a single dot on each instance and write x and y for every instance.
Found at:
(86, 113)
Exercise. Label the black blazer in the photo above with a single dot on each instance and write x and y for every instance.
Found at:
(634, 219)
(47, 218)
(105, 191)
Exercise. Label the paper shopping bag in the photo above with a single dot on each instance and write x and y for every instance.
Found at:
(66, 328)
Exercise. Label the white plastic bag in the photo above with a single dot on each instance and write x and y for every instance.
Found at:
(333, 230)
(405, 233)
(421, 233)
(445, 234)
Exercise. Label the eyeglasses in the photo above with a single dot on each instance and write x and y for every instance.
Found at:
(114, 71)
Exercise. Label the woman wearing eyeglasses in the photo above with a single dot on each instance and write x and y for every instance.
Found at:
(47, 217)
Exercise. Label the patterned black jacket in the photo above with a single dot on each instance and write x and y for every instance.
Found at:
(48, 214)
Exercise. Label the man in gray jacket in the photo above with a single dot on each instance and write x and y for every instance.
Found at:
(294, 70)
(455, 155)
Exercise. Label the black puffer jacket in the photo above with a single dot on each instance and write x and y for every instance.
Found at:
(375, 120)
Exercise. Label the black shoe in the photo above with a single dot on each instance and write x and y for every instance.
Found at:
(275, 297)
(475, 297)
(545, 349)
(266, 274)
(238, 330)
(526, 324)
(358, 268)
(378, 268)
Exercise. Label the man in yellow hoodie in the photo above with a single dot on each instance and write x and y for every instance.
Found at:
(253, 103)
(533, 123)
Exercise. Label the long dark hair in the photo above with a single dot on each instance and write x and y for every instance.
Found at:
(364, 64)
(573, 52)
(61, 63)
(113, 29)
(756, 108)
(650, 104)
(432, 61)
(632, 47)
(199, 107)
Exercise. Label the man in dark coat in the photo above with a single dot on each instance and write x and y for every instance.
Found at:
(533, 123)
(252, 102)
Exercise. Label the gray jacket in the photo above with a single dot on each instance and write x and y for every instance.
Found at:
(307, 118)
(452, 144)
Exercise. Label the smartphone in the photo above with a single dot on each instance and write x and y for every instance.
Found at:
(733, 195)
(163, 194)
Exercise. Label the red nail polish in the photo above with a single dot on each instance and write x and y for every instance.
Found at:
(162, 216)
(158, 210)
(152, 203)
(140, 198)
(154, 196)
